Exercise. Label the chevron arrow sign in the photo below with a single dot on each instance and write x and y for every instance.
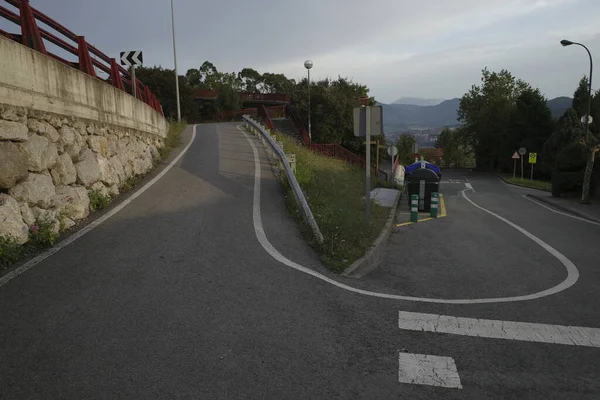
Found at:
(132, 58)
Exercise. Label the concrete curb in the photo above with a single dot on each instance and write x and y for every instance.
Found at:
(562, 208)
(376, 254)
(521, 186)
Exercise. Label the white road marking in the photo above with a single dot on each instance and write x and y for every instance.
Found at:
(561, 213)
(469, 186)
(35, 261)
(423, 369)
(487, 328)
(573, 273)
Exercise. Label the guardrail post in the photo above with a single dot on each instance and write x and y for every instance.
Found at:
(115, 75)
(85, 61)
(414, 208)
(435, 201)
(30, 34)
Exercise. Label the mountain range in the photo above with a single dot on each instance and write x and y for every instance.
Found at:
(400, 116)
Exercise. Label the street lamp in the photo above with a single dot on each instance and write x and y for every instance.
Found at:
(590, 162)
(566, 43)
(175, 60)
(308, 64)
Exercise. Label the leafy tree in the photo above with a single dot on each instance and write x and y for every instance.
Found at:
(452, 143)
(405, 145)
(530, 126)
(485, 110)
(591, 140)
(568, 130)
(250, 80)
(161, 82)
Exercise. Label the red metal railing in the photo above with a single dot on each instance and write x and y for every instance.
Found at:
(235, 114)
(33, 36)
(277, 111)
(263, 112)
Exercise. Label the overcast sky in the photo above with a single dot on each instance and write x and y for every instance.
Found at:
(398, 48)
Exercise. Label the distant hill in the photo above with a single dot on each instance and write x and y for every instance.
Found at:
(418, 101)
(410, 116)
(559, 105)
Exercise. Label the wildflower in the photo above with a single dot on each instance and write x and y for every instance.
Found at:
(35, 229)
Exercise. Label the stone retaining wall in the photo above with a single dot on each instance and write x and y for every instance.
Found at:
(49, 165)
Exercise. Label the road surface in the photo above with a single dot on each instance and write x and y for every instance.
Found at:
(200, 288)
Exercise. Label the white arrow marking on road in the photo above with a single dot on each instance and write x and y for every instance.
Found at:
(469, 186)
(488, 328)
(423, 369)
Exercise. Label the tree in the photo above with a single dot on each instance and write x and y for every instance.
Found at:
(485, 110)
(591, 140)
(568, 130)
(406, 148)
(453, 146)
(530, 126)
(162, 83)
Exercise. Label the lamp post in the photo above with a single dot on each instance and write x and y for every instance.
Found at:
(590, 163)
(566, 43)
(308, 64)
(175, 61)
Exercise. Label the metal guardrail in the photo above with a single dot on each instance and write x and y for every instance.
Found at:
(298, 194)
(89, 57)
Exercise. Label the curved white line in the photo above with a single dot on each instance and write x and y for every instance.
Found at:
(35, 261)
(572, 277)
(561, 213)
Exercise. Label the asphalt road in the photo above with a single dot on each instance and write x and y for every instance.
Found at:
(174, 297)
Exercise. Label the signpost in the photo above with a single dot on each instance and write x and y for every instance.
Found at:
(368, 121)
(522, 152)
(392, 151)
(132, 59)
(532, 161)
(515, 157)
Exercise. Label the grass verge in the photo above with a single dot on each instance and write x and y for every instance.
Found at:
(533, 184)
(173, 138)
(335, 192)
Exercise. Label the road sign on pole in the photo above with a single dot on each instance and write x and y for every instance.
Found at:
(515, 157)
(532, 162)
(522, 152)
(360, 120)
(132, 59)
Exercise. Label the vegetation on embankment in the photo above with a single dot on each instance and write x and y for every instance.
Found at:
(528, 183)
(335, 192)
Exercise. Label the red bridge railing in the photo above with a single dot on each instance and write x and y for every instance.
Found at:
(33, 36)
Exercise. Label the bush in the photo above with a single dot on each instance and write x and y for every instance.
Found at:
(42, 234)
(10, 251)
(98, 201)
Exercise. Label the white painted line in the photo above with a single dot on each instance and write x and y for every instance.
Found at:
(35, 261)
(423, 369)
(488, 328)
(572, 272)
(561, 213)
(469, 186)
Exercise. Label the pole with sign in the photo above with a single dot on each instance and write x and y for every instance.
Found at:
(368, 162)
(532, 162)
(392, 151)
(522, 152)
(515, 157)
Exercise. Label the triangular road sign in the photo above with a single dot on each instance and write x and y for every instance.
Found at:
(516, 156)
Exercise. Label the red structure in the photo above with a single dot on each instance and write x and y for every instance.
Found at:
(33, 37)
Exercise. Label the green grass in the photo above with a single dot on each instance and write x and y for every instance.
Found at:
(335, 192)
(173, 138)
(534, 184)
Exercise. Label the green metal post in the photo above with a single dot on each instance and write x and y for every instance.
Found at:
(435, 202)
(414, 208)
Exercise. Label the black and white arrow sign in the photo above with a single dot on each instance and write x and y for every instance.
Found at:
(132, 58)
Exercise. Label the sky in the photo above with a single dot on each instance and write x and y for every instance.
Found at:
(398, 48)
